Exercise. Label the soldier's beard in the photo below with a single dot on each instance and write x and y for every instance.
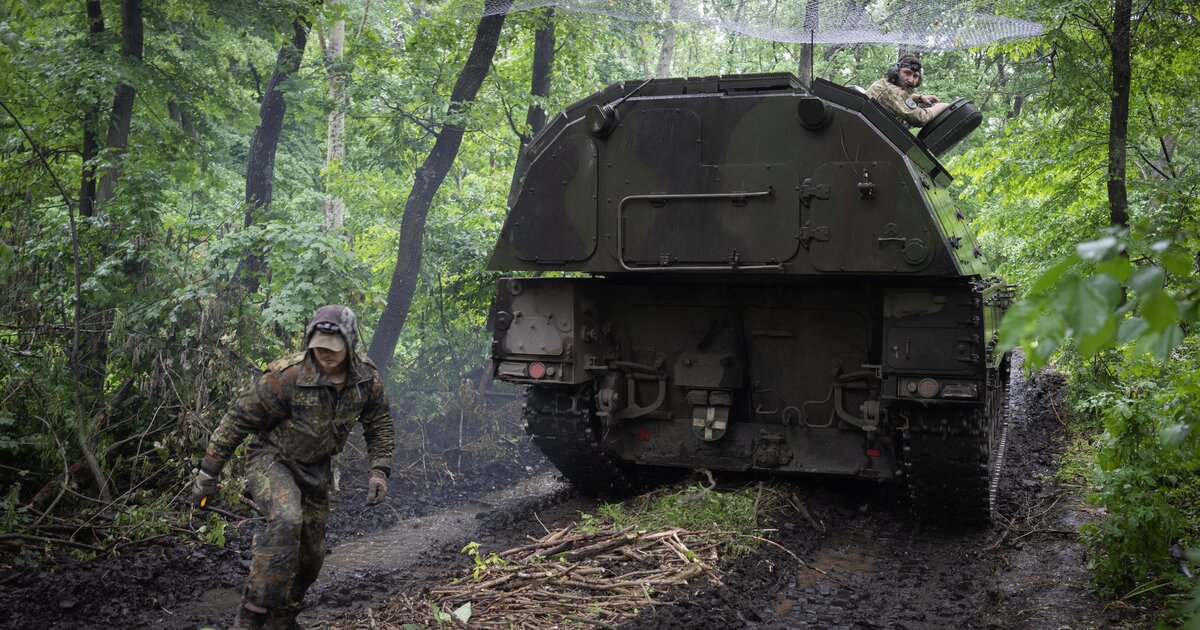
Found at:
(332, 367)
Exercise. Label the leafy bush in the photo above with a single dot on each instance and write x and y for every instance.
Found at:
(1148, 462)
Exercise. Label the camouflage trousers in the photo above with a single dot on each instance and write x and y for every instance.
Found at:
(290, 549)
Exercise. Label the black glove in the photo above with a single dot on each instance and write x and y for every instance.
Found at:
(376, 487)
(203, 489)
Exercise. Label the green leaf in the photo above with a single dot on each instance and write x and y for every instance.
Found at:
(1147, 279)
(1189, 312)
(1042, 352)
(1160, 343)
(1099, 339)
(1017, 321)
(1177, 262)
(1109, 288)
(1088, 304)
(1118, 267)
(1159, 310)
(1099, 249)
(1131, 329)
(1051, 276)
(1173, 436)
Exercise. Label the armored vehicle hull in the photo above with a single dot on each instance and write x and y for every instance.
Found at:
(768, 278)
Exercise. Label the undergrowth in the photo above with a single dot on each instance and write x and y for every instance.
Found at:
(1136, 443)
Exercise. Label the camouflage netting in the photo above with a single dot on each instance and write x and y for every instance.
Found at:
(914, 24)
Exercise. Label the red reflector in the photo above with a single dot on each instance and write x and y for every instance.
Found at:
(873, 452)
(643, 435)
(537, 370)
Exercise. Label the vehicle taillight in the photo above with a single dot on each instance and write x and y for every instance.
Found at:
(537, 370)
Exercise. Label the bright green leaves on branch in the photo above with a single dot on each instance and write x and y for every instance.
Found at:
(1098, 298)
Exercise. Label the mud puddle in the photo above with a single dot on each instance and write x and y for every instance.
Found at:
(844, 554)
(402, 544)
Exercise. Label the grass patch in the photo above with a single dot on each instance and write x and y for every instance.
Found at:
(739, 514)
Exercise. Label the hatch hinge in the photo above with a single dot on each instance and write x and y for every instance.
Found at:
(809, 233)
(808, 191)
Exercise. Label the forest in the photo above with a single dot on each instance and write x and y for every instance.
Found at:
(183, 182)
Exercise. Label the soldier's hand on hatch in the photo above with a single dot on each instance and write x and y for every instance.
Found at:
(376, 487)
(203, 489)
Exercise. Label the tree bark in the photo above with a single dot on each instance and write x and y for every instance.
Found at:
(667, 52)
(260, 161)
(122, 109)
(812, 22)
(93, 349)
(335, 206)
(1119, 44)
(539, 87)
(426, 182)
(91, 122)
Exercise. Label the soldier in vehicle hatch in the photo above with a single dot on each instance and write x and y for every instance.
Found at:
(895, 92)
(300, 413)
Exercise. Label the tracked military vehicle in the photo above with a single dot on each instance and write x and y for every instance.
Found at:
(738, 273)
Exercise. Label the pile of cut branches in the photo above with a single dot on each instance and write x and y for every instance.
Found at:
(572, 577)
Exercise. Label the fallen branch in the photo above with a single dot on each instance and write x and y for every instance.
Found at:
(800, 506)
(9, 539)
(599, 578)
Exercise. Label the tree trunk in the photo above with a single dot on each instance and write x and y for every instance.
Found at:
(260, 162)
(91, 121)
(1119, 45)
(122, 109)
(812, 21)
(425, 184)
(539, 87)
(92, 355)
(335, 206)
(663, 70)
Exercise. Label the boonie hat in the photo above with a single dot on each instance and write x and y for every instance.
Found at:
(329, 341)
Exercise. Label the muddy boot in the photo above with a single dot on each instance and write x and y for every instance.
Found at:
(248, 619)
(283, 618)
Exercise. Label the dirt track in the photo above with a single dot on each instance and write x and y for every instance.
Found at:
(872, 568)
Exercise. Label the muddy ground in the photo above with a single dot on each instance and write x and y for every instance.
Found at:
(872, 567)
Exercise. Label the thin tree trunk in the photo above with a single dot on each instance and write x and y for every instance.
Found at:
(260, 162)
(1119, 44)
(91, 121)
(122, 110)
(335, 206)
(425, 185)
(539, 87)
(667, 52)
(812, 21)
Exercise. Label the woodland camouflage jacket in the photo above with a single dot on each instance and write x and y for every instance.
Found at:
(299, 417)
(295, 413)
(900, 102)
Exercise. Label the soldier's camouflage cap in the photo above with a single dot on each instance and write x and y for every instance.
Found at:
(327, 340)
(334, 327)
